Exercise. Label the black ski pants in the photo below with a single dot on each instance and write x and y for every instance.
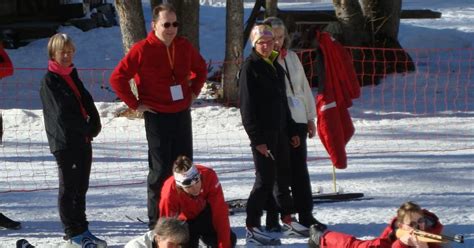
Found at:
(271, 177)
(74, 168)
(169, 135)
(201, 228)
(300, 182)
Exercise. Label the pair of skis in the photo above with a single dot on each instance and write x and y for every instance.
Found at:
(239, 205)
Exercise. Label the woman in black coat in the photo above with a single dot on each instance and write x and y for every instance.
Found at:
(71, 121)
(268, 123)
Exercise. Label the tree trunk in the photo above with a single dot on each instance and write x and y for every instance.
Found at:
(271, 8)
(132, 22)
(132, 25)
(368, 8)
(383, 18)
(373, 23)
(188, 17)
(384, 24)
(349, 14)
(390, 24)
(154, 3)
(233, 49)
(251, 20)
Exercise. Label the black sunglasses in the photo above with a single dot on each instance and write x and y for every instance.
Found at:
(191, 181)
(169, 24)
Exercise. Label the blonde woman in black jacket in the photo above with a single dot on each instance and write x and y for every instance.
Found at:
(71, 121)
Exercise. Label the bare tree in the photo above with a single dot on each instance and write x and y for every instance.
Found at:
(132, 25)
(383, 17)
(251, 20)
(132, 22)
(233, 49)
(188, 16)
(349, 14)
(271, 8)
(373, 23)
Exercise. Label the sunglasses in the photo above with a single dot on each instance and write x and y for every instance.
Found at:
(416, 224)
(191, 181)
(169, 24)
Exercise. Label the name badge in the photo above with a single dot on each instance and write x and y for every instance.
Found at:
(176, 92)
(295, 102)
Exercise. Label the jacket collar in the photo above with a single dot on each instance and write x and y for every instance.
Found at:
(152, 39)
(270, 60)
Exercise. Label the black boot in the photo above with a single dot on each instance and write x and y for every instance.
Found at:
(23, 243)
(316, 231)
(307, 219)
(7, 223)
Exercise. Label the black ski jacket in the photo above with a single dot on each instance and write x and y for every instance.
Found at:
(263, 102)
(65, 125)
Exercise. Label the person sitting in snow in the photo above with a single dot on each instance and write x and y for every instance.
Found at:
(168, 232)
(410, 216)
(194, 194)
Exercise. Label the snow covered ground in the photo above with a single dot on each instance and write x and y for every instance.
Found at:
(396, 155)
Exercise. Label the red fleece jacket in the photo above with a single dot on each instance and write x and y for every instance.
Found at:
(149, 64)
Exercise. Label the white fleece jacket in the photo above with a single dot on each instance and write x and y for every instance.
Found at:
(144, 241)
(305, 109)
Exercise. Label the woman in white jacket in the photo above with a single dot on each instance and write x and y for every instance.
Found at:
(168, 232)
(303, 111)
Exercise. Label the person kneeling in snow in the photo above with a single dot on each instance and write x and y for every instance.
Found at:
(168, 232)
(410, 216)
(194, 194)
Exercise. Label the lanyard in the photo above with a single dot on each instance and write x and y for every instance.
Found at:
(171, 60)
(288, 76)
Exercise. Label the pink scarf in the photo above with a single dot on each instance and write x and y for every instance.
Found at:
(65, 72)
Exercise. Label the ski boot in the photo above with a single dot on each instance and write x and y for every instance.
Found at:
(7, 223)
(256, 236)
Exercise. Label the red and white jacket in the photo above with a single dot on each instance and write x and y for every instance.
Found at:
(175, 202)
(149, 62)
(334, 125)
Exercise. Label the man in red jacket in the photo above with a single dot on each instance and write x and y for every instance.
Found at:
(6, 66)
(194, 195)
(409, 216)
(162, 65)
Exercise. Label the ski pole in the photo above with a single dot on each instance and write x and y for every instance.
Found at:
(271, 155)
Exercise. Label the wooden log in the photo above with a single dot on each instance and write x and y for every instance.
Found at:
(324, 16)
